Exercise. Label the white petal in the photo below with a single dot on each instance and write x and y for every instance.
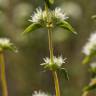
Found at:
(90, 45)
(39, 93)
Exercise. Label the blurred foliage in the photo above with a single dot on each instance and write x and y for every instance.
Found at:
(24, 73)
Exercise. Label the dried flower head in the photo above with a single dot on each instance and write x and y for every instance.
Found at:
(6, 44)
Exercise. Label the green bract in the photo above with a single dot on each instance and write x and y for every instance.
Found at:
(64, 72)
(56, 66)
(32, 28)
(57, 62)
(67, 26)
(5, 44)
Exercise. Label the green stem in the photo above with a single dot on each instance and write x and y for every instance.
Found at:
(85, 93)
(50, 45)
(3, 77)
(56, 81)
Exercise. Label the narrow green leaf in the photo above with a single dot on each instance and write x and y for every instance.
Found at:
(65, 73)
(94, 17)
(66, 25)
(91, 86)
(86, 60)
(51, 1)
(32, 27)
(13, 48)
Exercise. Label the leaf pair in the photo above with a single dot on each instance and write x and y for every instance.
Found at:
(63, 24)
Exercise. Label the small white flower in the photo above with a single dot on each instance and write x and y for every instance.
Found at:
(37, 16)
(93, 65)
(41, 15)
(39, 93)
(90, 45)
(88, 48)
(59, 61)
(93, 37)
(6, 44)
(57, 13)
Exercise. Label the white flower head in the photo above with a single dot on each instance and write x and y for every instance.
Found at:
(39, 93)
(6, 44)
(93, 65)
(58, 61)
(93, 37)
(57, 13)
(37, 16)
(90, 46)
(41, 15)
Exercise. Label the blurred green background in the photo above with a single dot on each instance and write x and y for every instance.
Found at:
(23, 70)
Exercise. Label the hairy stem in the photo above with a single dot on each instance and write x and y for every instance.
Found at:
(3, 77)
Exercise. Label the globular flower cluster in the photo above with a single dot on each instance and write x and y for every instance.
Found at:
(6, 44)
(41, 15)
(90, 46)
(39, 93)
(58, 62)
